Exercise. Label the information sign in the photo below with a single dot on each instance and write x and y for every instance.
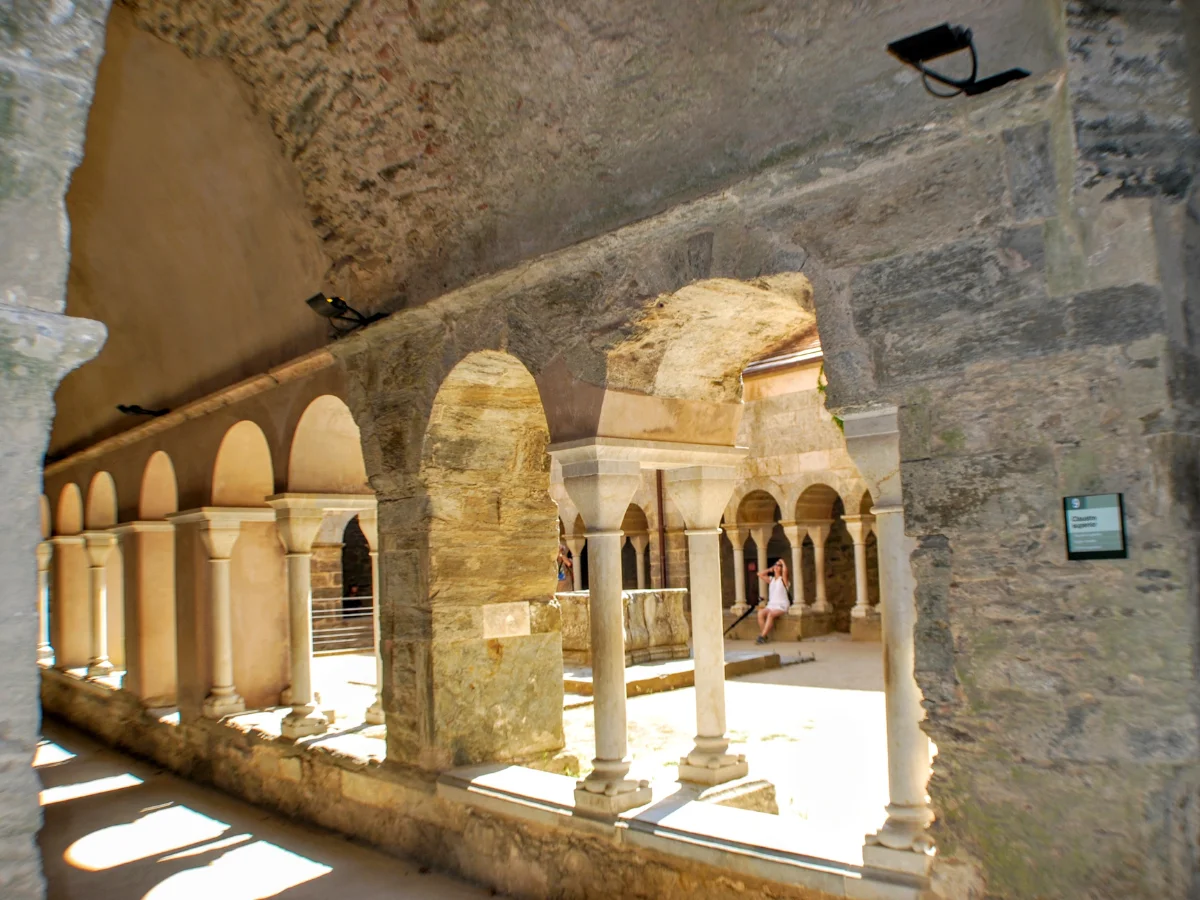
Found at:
(1095, 527)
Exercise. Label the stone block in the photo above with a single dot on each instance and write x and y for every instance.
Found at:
(754, 794)
(866, 628)
(1032, 181)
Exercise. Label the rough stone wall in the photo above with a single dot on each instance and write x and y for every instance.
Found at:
(48, 57)
(326, 572)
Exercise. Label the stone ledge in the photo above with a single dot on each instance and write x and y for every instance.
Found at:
(681, 678)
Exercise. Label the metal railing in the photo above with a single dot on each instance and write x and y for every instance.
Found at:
(342, 627)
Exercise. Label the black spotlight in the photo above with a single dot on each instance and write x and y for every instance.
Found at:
(338, 310)
(917, 49)
(134, 410)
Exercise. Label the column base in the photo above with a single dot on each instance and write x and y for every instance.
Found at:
(867, 625)
(910, 862)
(45, 655)
(374, 714)
(709, 769)
(610, 798)
(302, 722)
(99, 668)
(739, 609)
(218, 707)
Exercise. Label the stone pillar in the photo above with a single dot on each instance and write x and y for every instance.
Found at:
(45, 652)
(368, 521)
(219, 535)
(640, 542)
(903, 843)
(737, 537)
(575, 543)
(99, 546)
(858, 529)
(298, 524)
(818, 533)
(151, 661)
(70, 618)
(700, 493)
(601, 489)
(762, 537)
(795, 535)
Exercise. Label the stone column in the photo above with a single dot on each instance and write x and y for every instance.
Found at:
(151, 661)
(700, 493)
(903, 843)
(601, 489)
(575, 543)
(45, 653)
(818, 533)
(762, 537)
(795, 535)
(737, 537)
(858, 529)
(298, 526)
(219, 535)
(99, 546)
(640, 542)
(369, 523)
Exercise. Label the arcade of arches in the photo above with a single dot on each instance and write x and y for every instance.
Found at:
(665, 294)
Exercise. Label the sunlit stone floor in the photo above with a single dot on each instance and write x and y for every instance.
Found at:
(118, 829)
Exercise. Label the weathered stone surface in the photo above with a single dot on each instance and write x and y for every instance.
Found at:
(655, 626)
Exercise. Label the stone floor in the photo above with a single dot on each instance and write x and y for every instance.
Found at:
(118, 829)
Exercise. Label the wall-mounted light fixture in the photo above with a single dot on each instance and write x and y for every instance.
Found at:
(933, 43)
(135, 410)
(338, 310)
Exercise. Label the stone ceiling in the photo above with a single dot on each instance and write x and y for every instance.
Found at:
(440, 140)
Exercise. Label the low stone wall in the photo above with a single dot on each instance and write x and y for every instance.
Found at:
(534, 853)
(656, 627)
(787, 628)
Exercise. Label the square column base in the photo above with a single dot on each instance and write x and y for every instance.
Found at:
(868, 627)
(301, 723)
(710, 770)
(215, 707)
(910, 862)
(99, 669)
(598, 798)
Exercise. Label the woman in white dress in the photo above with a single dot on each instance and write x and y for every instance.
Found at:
(777, 599)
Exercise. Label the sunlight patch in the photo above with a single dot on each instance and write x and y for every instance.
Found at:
(88, 788)
(253, 872)
(158, 832)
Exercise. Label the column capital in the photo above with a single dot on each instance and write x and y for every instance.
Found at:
(818, 531)
(640, 540)
(761, 532)
(220, 525)
(45, 550)
(794, 532)
(873, 442)
(858, 526)
(298, 525)
(701, 492)
(99, 545)
(323, 502)
(737, 534)
(601, 489)
(153, 526)
(66, 540)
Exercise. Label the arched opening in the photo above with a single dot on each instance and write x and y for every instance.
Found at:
(636, 549)
(243, 474)
(101, 510)
(492, 544)
(326, 453)
(815, 508)
(159, 496)
(759, 514)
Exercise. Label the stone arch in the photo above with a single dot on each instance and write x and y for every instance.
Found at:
(101, 509)
(865, 504)
(326, 454)
(242, 473)
(816, 503)
(47, 522)
(637, 524)
(753, 486)
(159, 496)
(635, 521)
(757, 507)
(491, 549)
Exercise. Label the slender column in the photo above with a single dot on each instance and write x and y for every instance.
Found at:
(369, 523)
(602, 489)
(45, 653)
(700, 493)
(99, 547)
(795, 535)
(640, 542)
(818, 532)
(575, 544)
(903, 843)
(858, 533)
(762, 537)
(219, 536)
(737, 537)
(298, 527)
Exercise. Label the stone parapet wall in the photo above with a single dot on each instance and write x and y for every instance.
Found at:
(656, 627)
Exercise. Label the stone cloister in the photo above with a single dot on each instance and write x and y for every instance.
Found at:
(688, 287)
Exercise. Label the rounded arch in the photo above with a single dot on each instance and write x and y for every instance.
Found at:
(44, 515)
(816, 503)
(101, 509)
(635, 521)
(242, 473)
(757, 507)
(69, 516)
(159, 495)
(757, 485)
(326, 454)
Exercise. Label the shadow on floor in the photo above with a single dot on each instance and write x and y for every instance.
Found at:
(119, 829)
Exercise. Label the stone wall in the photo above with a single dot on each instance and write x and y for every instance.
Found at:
(48, 58)
(656, 627)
